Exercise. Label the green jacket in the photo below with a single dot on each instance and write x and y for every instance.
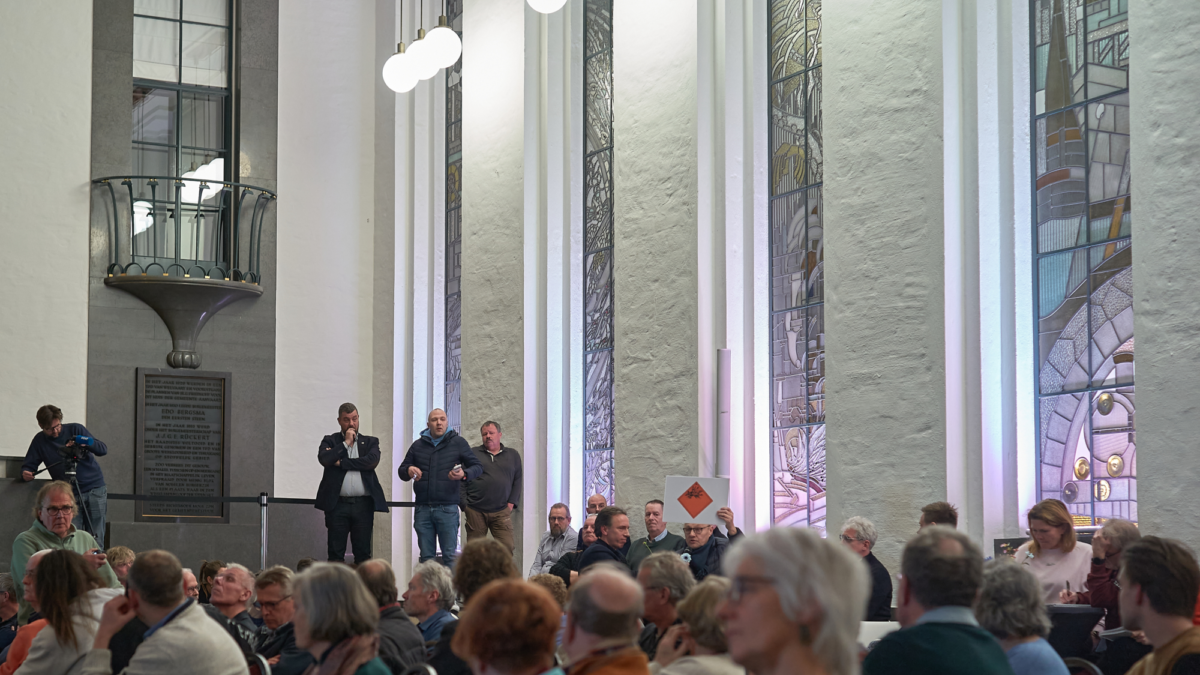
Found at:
(642, 548)
(38, 538)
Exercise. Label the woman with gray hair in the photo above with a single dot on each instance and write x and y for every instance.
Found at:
(335, 621)
(859, 534)
(1010, 607)
(698, 645)
(794, 604)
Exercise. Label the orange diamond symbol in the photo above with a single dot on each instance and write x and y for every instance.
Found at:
(694, 500)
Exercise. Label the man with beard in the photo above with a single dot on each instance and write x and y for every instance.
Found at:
(556, 542)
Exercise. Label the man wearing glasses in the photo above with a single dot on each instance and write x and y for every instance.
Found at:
(556, 542)
(52, 529)
(46, 448)
(705, 553)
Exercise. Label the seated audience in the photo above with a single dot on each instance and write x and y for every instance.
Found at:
(429, 597)
(938, 513)
(71, 596)
(558, 540)
(567, 567)
(1159, 581)
(602, 624)
(558, 590)
(1010, 607)
(665, 580)
(229, 603)
(191, 587)
(335, 620)
(209, 569)
(1115, 656)
(304, 564)
(54, 507)
(705, 554)
(657, 538)
(273, 589)
(482, 562)
(860, 535)
(401, 644)
(182, 640)
(698, 645)
(120, 558)
(941, 571)
(1052, 554)
(794, 604)
(19, 649)
(508, 629)
(9, 604)
(612, 533)
(595, 504)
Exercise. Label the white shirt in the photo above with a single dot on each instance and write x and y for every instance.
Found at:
(352, 484)
(1054, 569)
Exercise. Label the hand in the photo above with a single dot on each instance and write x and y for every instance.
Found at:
(1068, 597)
(1140, 636)
(457, 474)
(26, 476)
(338, 463)
(274, 660)
(1099, 546)
(349, 655)
(511, 507)
(117, 612)
(96, 558)
(668, 651)
(574, 576)
(414, 473)
(350, 435)
(725, 515)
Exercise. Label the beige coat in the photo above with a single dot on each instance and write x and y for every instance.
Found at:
(190, 644)
(48, 657)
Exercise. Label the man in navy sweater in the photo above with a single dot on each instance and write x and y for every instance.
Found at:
(612, 534)
(91, 492)
(438, 461)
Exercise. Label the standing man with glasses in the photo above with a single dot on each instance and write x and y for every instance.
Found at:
(349, 493)
(859, 535)
(52, 529)
(58, 445)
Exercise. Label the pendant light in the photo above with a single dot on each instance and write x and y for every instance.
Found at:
(398, 72)
(443, 42)
(422, 53)
(547, 6)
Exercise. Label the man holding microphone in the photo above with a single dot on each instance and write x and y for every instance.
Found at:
(350, 493)
(438, 461)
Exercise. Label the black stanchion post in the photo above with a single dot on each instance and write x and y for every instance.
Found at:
(262, 503)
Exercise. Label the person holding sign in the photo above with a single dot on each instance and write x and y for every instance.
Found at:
(705, 553)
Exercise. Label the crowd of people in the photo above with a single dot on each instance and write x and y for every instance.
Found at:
(714, 601)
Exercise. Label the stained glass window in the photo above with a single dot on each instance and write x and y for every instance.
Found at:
(598, 250)
(454, 229)
(1083, 277)
(797, 262)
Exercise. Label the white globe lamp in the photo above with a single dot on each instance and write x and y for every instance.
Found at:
(398, 72)
(547, 6)
(424, 60)
(444, 44)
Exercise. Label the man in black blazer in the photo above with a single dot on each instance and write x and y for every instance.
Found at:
(350, 493)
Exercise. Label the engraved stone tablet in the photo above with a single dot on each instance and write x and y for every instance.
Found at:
(182, 444)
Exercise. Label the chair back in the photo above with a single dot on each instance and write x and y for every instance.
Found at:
(258, 665)
(1071, 629)
(420, 669)
(1078, 666)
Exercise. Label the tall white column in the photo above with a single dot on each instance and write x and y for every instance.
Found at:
(1164, 138)
(655, 272)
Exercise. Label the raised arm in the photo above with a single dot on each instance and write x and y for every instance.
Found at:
(368, 460)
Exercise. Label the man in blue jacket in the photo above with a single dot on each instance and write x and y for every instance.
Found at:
(438, 461)
(349, 493)
(49, 447)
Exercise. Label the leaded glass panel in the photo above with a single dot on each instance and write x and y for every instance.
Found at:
(598, 469)
(1084, 273)
(453, 354)
(797, 255)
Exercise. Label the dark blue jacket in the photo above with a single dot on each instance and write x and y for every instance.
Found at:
(332, 450)
(43, 450)
(435, 463)
(710, 558)
(600, 552)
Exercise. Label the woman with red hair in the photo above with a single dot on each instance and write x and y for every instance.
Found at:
(508, 628)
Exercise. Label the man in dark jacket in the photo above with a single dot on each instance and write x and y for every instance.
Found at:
(860, 534)
(274, 589)
(400, 643)
(612, 533)
(567, 567)
(705, 554)
(349, 493)
(438, 461)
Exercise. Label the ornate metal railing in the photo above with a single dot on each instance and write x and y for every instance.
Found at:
(184, 227)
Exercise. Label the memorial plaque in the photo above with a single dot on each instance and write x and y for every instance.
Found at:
(182, 444)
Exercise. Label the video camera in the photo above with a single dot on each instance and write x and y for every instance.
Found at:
(72, 454)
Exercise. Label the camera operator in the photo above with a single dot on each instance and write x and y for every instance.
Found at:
(66, 447)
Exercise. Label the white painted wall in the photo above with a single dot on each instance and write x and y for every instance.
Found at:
(326, 142)
(46, 115)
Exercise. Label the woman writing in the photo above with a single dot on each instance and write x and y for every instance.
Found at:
(1052, 555)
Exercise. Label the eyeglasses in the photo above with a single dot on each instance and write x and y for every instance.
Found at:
(695, 530)
(59, 510)
(740, 585)
(56, 427)
(849, 539)
(555, 519)
(271, 606)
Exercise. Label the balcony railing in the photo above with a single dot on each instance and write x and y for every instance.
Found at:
(184, 227)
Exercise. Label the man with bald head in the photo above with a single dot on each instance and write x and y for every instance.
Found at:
(350, 494)
(602, 623)
(438, 462)
(941, 572)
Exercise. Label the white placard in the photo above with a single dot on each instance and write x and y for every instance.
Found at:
(678, 486)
